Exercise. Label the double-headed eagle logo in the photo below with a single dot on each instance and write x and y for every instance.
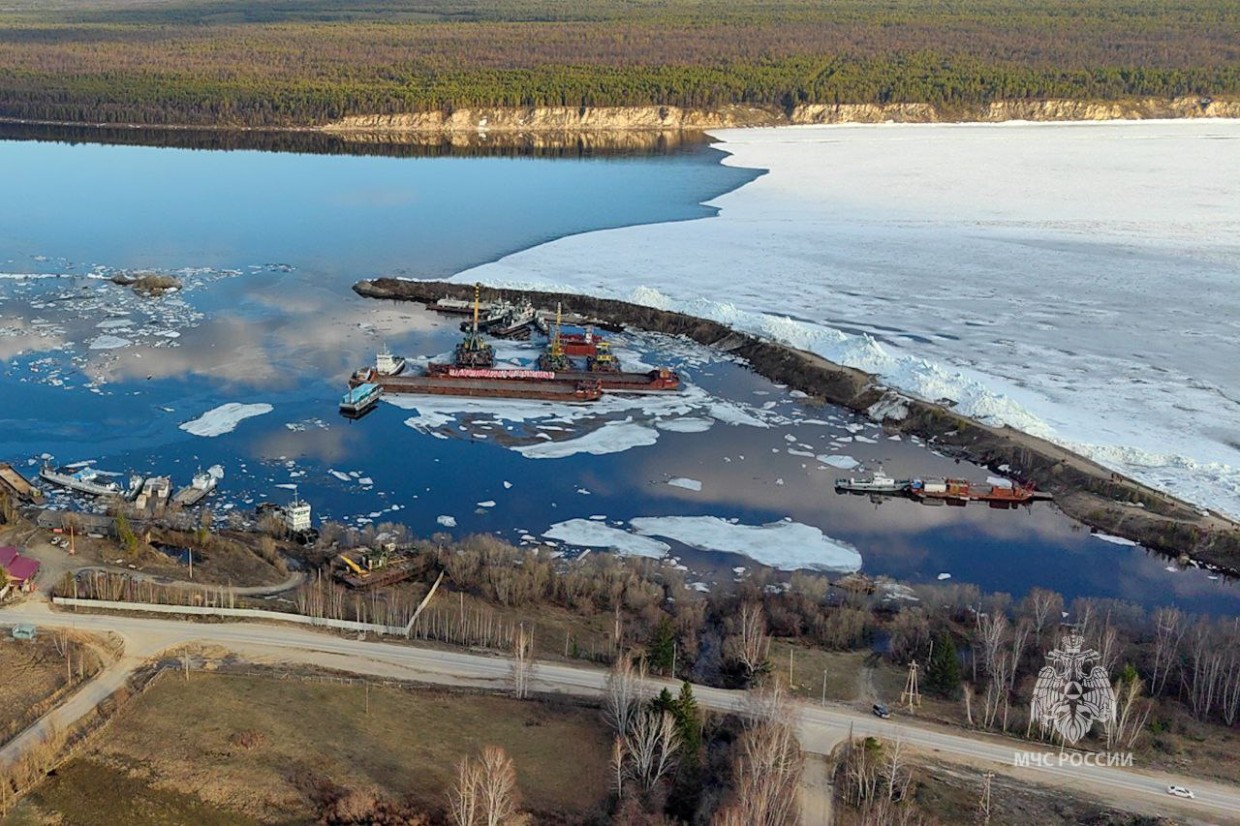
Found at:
(1069, 699)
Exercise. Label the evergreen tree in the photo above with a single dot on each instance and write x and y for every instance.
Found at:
(661, 650)
(688, 721)
(943, 673)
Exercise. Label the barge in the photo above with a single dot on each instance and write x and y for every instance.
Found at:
(202, 484)
(959, 492)
(81, 481)
(482, 383)
(661, 380)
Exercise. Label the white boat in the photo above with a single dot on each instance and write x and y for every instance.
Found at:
(82, 481)
(387, 364)
(878, 482)
(203, 483)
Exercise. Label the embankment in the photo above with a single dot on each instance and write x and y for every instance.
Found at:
(573, 120)
(1083, 489)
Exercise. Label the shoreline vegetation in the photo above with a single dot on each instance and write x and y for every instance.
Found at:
(681, 64)
(1085, 491)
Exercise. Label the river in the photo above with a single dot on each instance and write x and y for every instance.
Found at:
(267, 244)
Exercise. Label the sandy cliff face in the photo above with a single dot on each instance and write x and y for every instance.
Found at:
(559, 119)
(564, 119)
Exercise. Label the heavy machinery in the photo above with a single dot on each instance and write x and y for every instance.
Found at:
(381, 566)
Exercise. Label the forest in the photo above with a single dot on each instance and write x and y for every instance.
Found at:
(308, 62)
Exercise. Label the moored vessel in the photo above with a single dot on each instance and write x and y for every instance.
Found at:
(878, 482)
(83, 480)
(361, 398)
(388, 364)
(202, 484)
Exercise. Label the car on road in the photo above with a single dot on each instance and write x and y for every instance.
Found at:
(881, 710)
(1180, 791)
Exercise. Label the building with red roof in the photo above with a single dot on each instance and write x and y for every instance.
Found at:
(19, 570)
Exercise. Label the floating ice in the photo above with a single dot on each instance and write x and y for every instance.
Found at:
(108, 342)
(786, 545)
(687, 484)
(224, 419)
(446, 521)
(490, 503)
(840, 461)
(1114, 540)
(591, 534)
(613, 437)
(944, 576)
(685, 424)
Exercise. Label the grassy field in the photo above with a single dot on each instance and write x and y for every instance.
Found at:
(241, 749)
(35, 673)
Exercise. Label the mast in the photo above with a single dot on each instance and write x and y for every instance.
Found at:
(477, 293)
(557, 348)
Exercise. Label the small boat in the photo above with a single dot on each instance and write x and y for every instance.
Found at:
(388, 364)
(360, 398)
(878, 482)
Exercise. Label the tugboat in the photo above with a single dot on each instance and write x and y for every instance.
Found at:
(517, 322)
(878, 482)
(387, 364)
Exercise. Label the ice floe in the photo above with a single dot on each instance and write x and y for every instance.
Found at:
(446, 521)
(591, 534)
(786, 545)
(687, 484)
(838, 460)
(224, 419)
(612, 437)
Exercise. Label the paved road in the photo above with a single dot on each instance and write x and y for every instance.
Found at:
(821, 728)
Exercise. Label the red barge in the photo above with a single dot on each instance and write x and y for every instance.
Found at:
(960, 492)
(483, 383)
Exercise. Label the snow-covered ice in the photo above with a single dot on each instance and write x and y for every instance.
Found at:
(446, 521)
(224, 419)
(612, 437)
(1076, 281)
(838, 460)
(785, 545)
(591, 534)
(687, 484)
(1114, 540)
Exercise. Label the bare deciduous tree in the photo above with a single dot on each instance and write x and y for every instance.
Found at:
(463, 798)
(497, 788)
(768, 766)
(652, 742)
(750, 644)
(623, 696)
(485, 792)
(522, 661)
(1169, 630)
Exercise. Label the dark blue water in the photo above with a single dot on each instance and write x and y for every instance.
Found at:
(267, 246)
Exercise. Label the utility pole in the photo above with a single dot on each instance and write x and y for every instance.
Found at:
(984, 803)
(790, 652)
(824, 687)
(911, 695)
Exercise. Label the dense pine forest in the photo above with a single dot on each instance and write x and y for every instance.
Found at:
(306, 62)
